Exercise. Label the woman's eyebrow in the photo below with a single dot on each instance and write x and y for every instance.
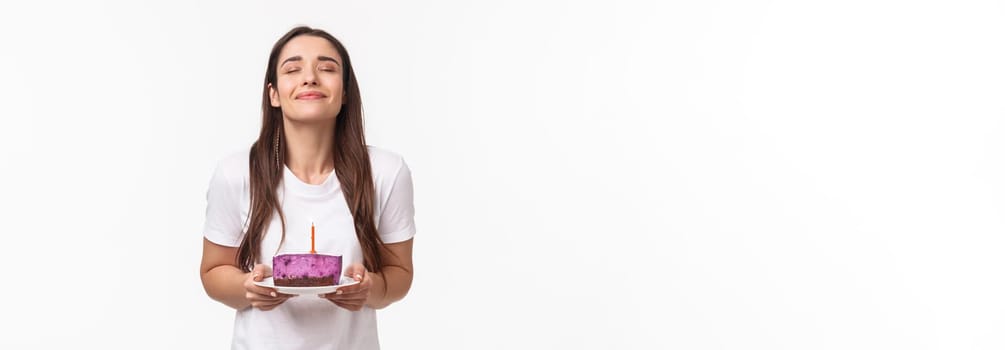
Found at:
(291, 59)
(326, 58)
(299, 58)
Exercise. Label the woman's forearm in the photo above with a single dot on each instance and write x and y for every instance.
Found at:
(225, 284)
(389, 286)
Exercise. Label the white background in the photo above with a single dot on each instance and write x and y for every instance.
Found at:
(691, 175)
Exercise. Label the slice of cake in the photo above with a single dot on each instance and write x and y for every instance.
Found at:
(306, 270)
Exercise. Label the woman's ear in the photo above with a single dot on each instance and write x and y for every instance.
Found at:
(273, 95)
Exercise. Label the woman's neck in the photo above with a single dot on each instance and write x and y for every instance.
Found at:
(309, 150)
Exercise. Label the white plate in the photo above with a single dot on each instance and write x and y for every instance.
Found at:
(268, 283)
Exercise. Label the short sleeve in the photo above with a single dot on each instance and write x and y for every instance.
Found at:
(223, 212)
(397, 219)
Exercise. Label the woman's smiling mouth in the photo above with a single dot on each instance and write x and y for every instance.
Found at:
(310, 95)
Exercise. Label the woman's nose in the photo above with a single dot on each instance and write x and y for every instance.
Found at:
(310, 78)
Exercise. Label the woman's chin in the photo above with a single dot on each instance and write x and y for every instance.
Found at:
(312, 117)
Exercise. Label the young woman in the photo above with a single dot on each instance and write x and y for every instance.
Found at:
(310, 165)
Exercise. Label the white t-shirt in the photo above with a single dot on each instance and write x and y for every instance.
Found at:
(308, 321)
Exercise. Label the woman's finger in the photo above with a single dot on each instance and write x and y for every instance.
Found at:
(260, 293)
(250, 286)
(343, 297)
(260, 272)
(359, 287)
(267, 307)
(275, 301)
(353, 301)
(264, 291)
(266, 304)
(355, 271)
(252, 296)
(351, 292)
(350, 307)
(343, 294)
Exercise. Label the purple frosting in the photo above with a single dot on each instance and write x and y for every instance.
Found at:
(287, 266)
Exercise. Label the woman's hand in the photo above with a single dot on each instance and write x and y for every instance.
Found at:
(262, 297)
(352, 297)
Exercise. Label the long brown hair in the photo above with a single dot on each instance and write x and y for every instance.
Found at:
(352, 162)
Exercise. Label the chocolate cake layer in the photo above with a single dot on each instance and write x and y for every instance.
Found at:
(306, 282)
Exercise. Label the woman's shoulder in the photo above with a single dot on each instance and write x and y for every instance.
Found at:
(233, 167)
(384, 157)
(385, 162)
